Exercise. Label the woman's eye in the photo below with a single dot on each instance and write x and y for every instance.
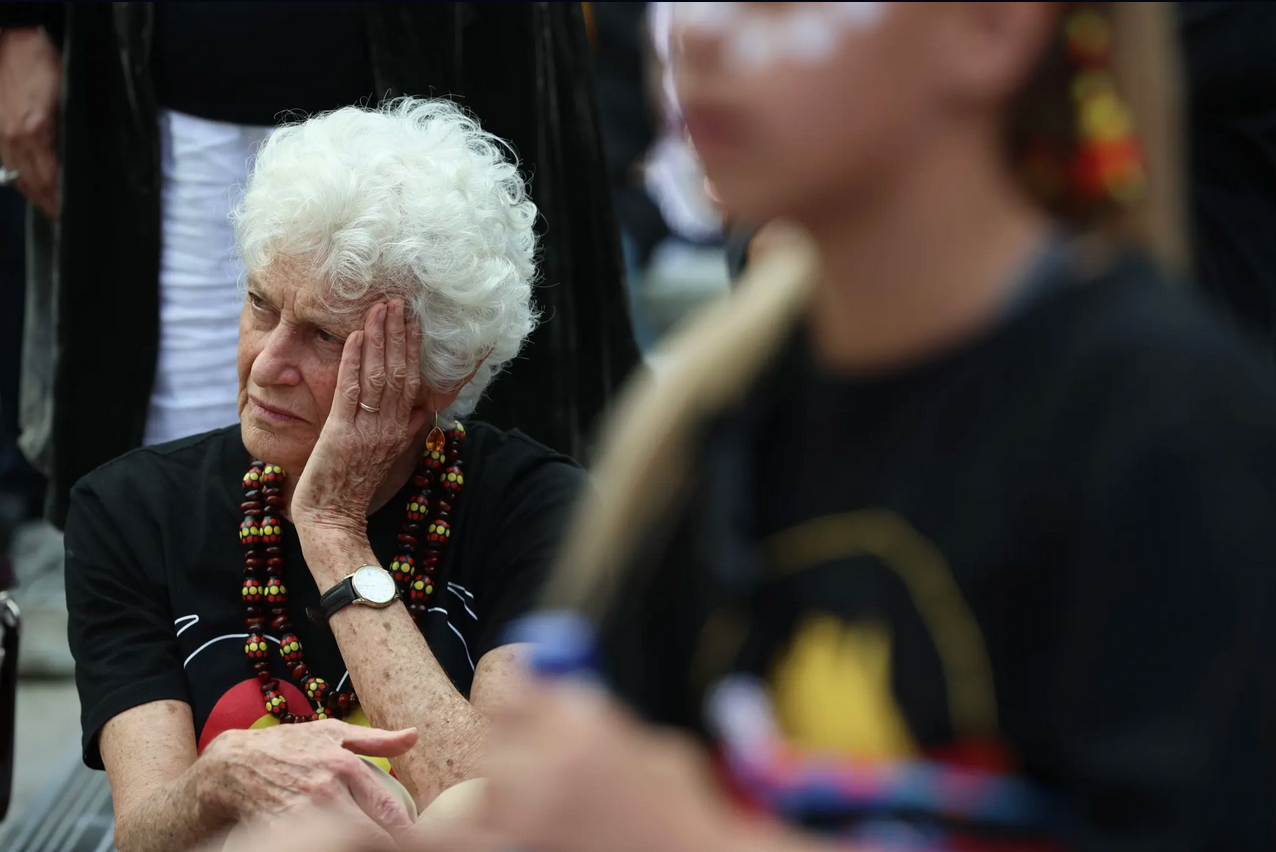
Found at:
(257, 302)
(327, 337)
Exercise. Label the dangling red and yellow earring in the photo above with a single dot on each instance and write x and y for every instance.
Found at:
(1108, 161)
(435, 440)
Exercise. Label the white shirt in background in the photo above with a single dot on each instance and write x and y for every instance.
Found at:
(203, 163)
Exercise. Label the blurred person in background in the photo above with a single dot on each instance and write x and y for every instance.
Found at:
(164, 105)
(21, 488)
(129, 125)
(30, 551)
(622, 59)
(953, 530)
(671, 230)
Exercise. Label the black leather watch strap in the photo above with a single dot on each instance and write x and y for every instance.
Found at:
(340, 595)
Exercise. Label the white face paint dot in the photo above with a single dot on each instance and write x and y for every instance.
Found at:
(713, 17)
(809, 37)
(752, 46)
(856, 15)
(806, 33)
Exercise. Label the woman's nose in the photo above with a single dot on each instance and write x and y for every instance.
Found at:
(279, 361)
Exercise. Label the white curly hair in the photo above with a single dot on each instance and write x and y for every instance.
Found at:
(409, 200)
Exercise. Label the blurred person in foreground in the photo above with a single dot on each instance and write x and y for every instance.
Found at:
(1230, 97)
(349, 533)
(129, 125)
(670, 229)
(952, 531)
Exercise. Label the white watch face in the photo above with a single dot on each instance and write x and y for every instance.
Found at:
(374, 585)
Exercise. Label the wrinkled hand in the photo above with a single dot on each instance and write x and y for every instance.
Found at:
(30, 92)
(381, 368)
(271, 776)
(569, 770)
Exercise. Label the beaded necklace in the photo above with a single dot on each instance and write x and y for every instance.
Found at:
(266, 598)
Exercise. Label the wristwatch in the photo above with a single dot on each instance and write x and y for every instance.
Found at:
(370, 585)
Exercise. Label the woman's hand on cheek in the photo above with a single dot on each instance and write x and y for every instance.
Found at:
(569, 770)
(373, 419)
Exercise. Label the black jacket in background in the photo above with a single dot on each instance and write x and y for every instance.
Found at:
(92, 333)
(1229, 50)
(628, 126)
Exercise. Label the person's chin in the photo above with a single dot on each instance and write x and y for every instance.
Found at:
(277, 443)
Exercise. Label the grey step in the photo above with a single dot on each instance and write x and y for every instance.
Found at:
(71, 814)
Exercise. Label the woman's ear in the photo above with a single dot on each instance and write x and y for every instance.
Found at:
(431, 400)
(422, 416)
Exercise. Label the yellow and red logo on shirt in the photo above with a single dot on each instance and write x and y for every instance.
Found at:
(241, 708)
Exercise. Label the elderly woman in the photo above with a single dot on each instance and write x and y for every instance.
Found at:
(349, 551)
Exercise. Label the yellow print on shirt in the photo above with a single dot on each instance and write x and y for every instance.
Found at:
(832, 686)
(833, 691)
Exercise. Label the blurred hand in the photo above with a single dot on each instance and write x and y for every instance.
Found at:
(773, 235)
(267, 776)
(570, 770)
(452, 823)
(309, 830)
(30, 93)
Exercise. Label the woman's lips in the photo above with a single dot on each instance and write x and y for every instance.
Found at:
(277, 415)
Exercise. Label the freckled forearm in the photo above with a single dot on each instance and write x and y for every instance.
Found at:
(400, 685)
(399, 682)
(178, 815)
(332, 555)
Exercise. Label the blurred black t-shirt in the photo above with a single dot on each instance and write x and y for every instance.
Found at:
(1229, 50)
(1048, 552)
(248, 63)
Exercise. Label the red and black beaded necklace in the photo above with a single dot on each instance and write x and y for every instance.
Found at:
(421, 546)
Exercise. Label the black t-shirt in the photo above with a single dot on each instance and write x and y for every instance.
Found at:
(1047, 553)
(248, 63)
(154, 572)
